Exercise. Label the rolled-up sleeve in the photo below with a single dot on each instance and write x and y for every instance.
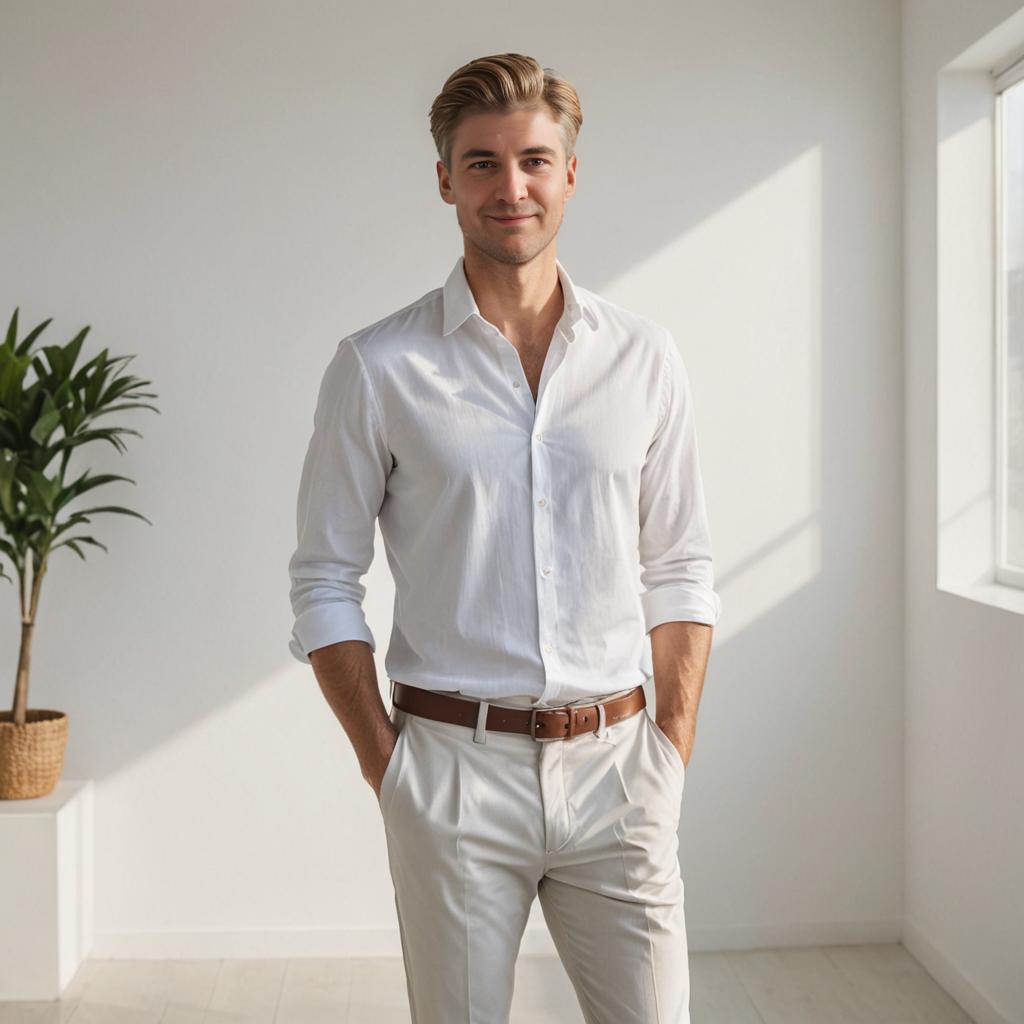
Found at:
(675, 541)
(341, 490)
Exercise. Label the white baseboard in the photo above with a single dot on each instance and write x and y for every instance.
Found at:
(344, 942)
(794, 933)
(975, 1004)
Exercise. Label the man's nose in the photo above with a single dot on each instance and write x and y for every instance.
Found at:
(511, 185)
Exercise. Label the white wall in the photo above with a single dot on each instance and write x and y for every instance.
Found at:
(965, 657)
(228, 189)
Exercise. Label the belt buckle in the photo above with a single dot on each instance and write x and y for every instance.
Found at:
(543, 739)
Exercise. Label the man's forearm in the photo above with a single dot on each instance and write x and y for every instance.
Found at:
(679, 654)
(348, 678)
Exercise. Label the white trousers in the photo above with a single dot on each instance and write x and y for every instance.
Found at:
(475, 830)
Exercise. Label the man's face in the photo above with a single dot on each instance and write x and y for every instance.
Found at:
(507, 165)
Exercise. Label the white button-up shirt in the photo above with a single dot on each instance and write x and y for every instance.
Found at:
(533, 545)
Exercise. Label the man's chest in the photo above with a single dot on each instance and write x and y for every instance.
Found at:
(472, 413)
(532, 358)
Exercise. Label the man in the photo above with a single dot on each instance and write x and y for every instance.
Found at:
(530, 451)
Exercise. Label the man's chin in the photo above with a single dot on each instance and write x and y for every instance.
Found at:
(512, 248)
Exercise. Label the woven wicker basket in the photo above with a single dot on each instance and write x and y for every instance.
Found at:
(31, 755)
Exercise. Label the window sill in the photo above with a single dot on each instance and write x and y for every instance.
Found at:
(996, 595)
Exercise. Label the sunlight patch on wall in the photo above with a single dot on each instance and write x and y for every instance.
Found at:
(741, 292)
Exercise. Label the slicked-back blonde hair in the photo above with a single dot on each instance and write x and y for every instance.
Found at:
(503, 82)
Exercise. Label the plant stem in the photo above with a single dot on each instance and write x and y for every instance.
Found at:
(28, 625)
(21, 684)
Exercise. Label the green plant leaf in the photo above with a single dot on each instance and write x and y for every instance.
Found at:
(47, 422)
(111, 508)
(73, 542)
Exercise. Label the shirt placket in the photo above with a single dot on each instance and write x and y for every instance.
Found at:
(536, 418)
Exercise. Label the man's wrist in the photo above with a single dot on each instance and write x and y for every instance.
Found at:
(679, 728)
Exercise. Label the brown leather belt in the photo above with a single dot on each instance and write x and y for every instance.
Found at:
(540, 723)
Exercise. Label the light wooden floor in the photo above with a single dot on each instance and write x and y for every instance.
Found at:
(807, 985)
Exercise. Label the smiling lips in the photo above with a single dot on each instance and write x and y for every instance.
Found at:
(513, 220)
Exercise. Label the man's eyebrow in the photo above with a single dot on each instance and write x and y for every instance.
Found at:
(529, 151)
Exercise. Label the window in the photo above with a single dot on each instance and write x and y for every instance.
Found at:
(1009, 383)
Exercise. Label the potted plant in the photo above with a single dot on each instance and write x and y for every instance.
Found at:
(40, 422)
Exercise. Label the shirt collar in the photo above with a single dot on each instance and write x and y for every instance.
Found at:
(459, 303)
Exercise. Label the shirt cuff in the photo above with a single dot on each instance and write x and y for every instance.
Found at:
(680, 602)
(328, 624)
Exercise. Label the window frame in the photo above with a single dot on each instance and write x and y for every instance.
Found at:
(1004, 573)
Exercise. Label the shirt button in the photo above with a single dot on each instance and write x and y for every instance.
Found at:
(547, 570)
(539, 435)
(542, 502)
(547, 647)
(515, 383)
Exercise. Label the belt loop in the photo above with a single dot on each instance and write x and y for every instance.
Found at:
(392, 695)
(601, 727)
(480, 735)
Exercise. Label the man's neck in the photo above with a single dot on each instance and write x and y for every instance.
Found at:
(524, 301)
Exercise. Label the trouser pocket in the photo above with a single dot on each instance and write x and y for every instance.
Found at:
(667, 746)
(390, 778)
